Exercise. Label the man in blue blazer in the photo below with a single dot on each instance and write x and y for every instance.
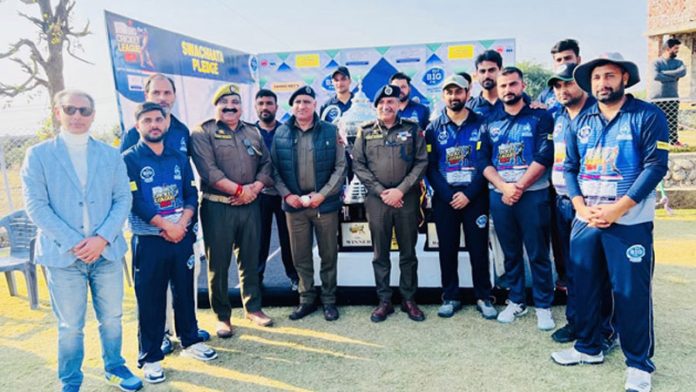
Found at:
(76, 191)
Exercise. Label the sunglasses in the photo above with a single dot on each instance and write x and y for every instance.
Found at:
(71, 110)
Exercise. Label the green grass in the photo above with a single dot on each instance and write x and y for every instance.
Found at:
(463, 353)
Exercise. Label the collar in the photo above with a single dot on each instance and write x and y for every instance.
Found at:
(143, 148)
(226, 127)
(277, 125)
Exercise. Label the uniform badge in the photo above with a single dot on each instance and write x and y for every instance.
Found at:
(388, 90)
(220, 134)
(481, 221)
(584, 134)
(147, 174)
(635, 253)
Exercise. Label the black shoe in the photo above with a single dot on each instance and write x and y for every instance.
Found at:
(565, 334)
(302, 311)
(330, 312)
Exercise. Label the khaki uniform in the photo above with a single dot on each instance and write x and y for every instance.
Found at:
(392, 158)
(239, 155)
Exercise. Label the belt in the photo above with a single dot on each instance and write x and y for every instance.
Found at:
(217, 198)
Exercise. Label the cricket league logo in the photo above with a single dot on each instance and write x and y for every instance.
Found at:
(601, 162)
(511, 154)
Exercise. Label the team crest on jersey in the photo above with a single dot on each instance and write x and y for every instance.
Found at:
(177, 173)
(442, 136)
(635, 253)
(584, 134)
(481, 221)
(624, 133)
(147, 174)
(602, 161)
(495, 133)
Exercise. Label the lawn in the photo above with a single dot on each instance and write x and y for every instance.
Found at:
(463, 353)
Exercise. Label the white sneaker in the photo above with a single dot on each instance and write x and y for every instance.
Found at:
(511, 311)
(199, 351)
(545, 319)
(638, 380)
(153, 372)
(572, 356)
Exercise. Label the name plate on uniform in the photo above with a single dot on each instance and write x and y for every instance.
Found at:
(432, 243)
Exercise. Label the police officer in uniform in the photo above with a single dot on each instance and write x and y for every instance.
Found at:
(309, 173)
(408, 108)
(460, 197)
(234, 165)
(162, 218)
(390, 159)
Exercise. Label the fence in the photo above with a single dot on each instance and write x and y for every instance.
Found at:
(680, 113)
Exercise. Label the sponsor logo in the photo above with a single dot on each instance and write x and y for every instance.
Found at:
(481, 221)
(434, 76)
(635, 253)
(442, 137)
(177, 173)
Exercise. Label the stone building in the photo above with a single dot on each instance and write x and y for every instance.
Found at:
(674, 18)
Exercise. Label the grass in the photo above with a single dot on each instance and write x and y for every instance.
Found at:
(462, 353)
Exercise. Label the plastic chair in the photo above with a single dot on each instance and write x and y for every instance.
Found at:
(21, 233)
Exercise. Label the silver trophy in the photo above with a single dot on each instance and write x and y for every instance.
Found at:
(349, 124)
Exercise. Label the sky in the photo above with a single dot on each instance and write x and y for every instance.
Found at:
(271, 26)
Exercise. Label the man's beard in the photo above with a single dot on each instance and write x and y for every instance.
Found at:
(572, 101)
(613, 96)
(456, 106)
(488, 84)
(512, 101)
(266, 117)
(673, 55)
(154, 139)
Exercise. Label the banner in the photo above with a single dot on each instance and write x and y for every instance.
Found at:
(197, 67)
(426, 64)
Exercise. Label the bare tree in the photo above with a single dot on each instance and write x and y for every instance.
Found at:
(42, 60)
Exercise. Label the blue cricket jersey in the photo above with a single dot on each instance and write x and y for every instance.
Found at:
(161, 185)
(510, 143)
(626, 156)
(452, 157)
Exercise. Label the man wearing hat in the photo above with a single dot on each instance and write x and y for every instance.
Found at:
(342, 101)
(162, 218)
(234, 165)
(616, 155)
(309, 173)
(516, 150)
(573, 101)
(409, 108)
(390, 160)
(460, 198)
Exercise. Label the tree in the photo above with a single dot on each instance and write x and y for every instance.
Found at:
(42, 61)
(536, 76)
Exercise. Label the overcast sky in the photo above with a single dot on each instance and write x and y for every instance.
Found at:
(272, 26)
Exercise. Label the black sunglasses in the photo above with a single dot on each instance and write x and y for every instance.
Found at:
(71, 110)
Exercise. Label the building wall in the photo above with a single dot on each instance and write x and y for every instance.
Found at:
(674, 18)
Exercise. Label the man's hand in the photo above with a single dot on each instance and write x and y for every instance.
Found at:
(249, 194)
(393, 197)
(315, 199)
(459, 201)
(605, 215)
(511, 193)
(173, 232)
(90, 249)
(538, 105)
(294, 201)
